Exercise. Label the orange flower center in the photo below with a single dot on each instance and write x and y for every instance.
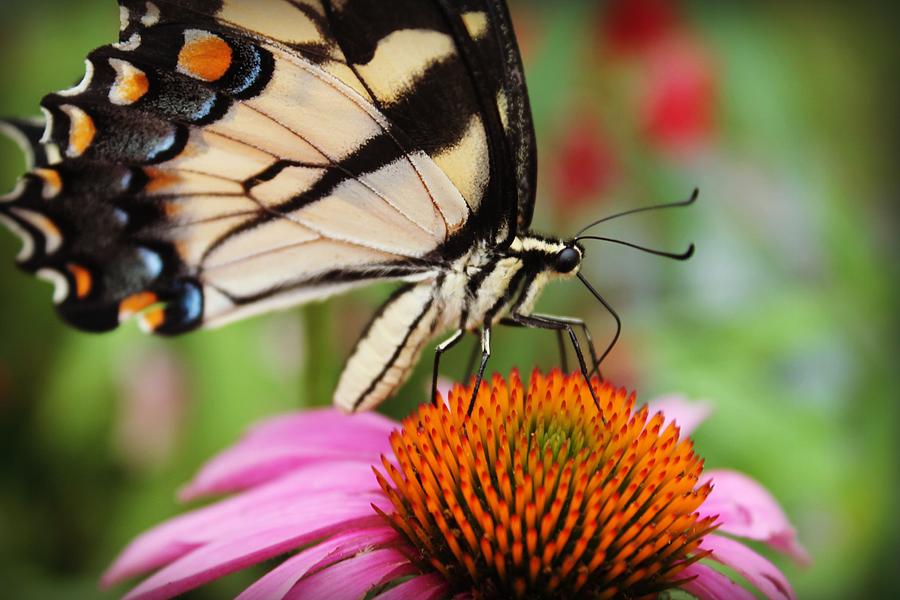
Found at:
(534, 496)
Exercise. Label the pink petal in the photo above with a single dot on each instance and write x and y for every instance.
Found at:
(688, 415)
(278, 582)
(757, 570)
(234, 473)
(746, 509)
(377, 536)
(353, 577)
(709, 584)
(275, 447)
(292, 514)
(423, 587)
(260, 542)
(180, 535)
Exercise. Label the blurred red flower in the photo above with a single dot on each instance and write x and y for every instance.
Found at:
(633, 26)
(675, 77)
(679, 95)
(583, 162)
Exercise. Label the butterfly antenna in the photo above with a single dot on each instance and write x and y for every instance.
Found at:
(611, 311)
(686, 202)
(673, 255)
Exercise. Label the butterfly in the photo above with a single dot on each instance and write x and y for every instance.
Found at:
(230, 157)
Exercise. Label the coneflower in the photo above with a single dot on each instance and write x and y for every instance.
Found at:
(537, 495)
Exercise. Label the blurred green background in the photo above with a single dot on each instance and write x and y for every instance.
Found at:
(784, 115)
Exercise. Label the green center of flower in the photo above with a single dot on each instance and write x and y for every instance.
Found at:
(535, 496)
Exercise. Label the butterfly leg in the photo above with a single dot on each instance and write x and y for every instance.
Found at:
(561, 343)
(563, 359)
(438, 351)
(473, 356)
(615, 316)
(587, 336)
(554, 323)
(485, 355)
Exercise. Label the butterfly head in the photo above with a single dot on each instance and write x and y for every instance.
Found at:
(567, 260)
(558, 259)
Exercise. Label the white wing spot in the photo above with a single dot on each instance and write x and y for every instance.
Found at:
(59, 281)
(51, 233)
(48, 126)
(128, 46)
(54, 156)
(151, 17)
(503, 107)
(476, 24)
(84, 84)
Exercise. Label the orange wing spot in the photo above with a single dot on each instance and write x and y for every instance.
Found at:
(83, 280)
(134, 304)
(153, 319)
(131, 83)
(81, 130)
(204, 56)
(52, 182)
(183, 248)
(160, 181)
(172, 209)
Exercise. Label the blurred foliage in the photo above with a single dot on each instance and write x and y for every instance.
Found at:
(786, 319)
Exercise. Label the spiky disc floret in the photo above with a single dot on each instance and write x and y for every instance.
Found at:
(536, 496)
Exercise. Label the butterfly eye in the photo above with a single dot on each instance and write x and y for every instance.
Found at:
(567, 259)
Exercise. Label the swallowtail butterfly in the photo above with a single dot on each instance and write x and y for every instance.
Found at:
(229, 157)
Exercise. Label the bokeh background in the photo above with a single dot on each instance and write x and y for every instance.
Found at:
(785, 116)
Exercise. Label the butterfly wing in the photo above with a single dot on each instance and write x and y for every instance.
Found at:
(448, 76)
(235, 156)
(499, 70)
